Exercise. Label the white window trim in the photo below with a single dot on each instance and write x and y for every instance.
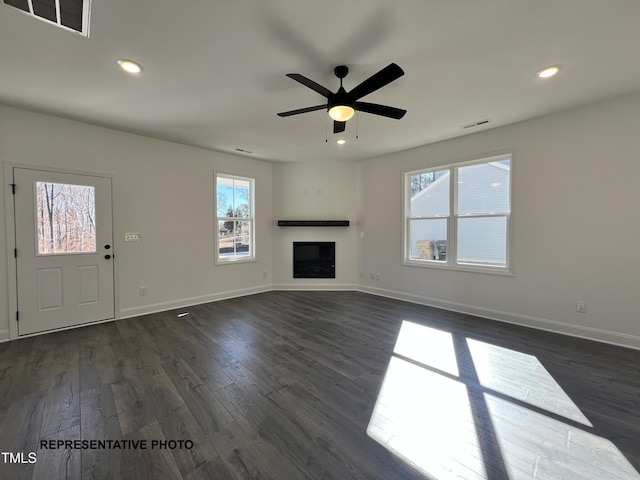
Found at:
(452, 220)
(86, 15)
(217, 260)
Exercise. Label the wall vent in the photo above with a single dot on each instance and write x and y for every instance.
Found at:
(476, 124)
(70, 15)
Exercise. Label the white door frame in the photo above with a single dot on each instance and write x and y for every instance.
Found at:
(10, 223)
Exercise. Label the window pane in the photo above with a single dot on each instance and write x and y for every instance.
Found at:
(234, 239)
(429, 194)
(66, 216)
(484, 188)
(45, 9)
(242, 234)
(428, 239)
(21, 4)
(71, 14)
(483, 240)
(224, 198)
(241, 199)
(233, 197)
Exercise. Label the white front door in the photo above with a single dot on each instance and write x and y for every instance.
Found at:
(64, 254)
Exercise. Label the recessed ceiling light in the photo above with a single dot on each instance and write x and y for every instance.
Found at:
(548, 72)
(341, 141)
(129, 66)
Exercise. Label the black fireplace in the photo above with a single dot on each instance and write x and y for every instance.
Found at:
(314, 259)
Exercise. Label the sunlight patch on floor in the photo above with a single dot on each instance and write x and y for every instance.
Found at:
(428, 346)
(522, 377)
(424, 414)
(537, 446)
(435, 433)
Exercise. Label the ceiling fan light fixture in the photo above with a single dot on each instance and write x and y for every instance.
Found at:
(341, 113)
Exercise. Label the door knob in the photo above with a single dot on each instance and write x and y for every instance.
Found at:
(107, 247)
(107, 257)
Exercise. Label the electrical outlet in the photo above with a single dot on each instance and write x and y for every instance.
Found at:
(581, 307)
(143, 291)
(373, 276)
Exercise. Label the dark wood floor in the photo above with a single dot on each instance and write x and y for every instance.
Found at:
(308, 385)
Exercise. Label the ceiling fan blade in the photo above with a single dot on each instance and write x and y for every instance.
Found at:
(338, 127)
(383, 110)
(301, 110)
(378, 80)
(316, 87)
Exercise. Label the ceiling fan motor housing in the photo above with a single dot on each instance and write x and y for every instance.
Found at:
(340, 97)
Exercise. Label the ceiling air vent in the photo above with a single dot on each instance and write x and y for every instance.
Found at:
(68, 14)
(476, 124)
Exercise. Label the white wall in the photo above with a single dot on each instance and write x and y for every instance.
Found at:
(575, 215)
(316, 191)
(162, 190)
(576, 224)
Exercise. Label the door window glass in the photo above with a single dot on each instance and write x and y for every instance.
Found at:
(66, 218)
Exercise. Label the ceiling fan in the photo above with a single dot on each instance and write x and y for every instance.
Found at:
(342, 105)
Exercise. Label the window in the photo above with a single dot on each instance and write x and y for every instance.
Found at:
(65, 218)
(459, 216)
(235, 238)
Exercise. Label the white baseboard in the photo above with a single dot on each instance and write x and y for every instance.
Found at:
(315, 286)
(589, 333)
(188, 302)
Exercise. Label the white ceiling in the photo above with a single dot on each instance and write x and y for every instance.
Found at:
(214, 71)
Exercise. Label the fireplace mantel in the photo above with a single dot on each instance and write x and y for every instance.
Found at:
(313, 223)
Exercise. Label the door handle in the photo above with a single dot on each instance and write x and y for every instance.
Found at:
(107, 257)
(107, 247)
